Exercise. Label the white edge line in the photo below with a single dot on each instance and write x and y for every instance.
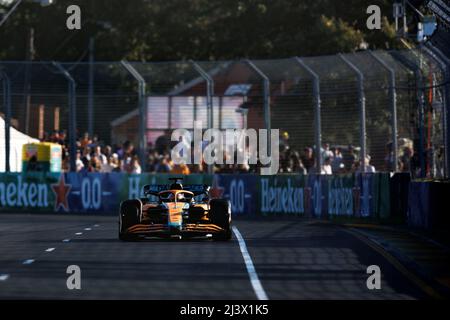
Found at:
(254, 280)
(4, 277)
(78, 233)
(49, 249)
(66, 240)
(28, 261)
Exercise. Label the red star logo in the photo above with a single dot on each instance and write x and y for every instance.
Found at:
(61, 190)
(216, 191)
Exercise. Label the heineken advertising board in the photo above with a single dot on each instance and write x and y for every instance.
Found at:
(358, 195)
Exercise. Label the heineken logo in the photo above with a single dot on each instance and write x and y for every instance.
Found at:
(281, 199)
(340, 201)
(23, 194)
(28, 194)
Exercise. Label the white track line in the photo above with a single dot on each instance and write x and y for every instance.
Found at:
(4, 277)
(256, 284)
(49, 249)
(87, 229)
(29, 261)
(78, 233)
(66, 240)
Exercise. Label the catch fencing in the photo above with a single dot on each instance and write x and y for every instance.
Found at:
(389, 106)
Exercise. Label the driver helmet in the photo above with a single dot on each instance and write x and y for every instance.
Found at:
(180, 197)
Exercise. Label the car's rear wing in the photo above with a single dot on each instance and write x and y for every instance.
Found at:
(155, 189)
(197, 189)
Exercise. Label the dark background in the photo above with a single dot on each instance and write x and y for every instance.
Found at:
(162, 30)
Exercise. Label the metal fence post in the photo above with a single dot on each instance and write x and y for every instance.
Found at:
(317, 115)
(142, 112)
(209, 99)
(393, 98)
(7, 105)
(72, 96)
(266, 93)
(362, 109)
(444, 64)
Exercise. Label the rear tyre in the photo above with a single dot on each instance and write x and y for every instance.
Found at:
(220, 215)
(129, 215)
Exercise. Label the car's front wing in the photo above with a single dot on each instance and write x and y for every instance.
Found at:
(189, 229)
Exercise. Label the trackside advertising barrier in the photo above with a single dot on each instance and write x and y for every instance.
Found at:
(357, 195)
(321, 196)
(428, 205)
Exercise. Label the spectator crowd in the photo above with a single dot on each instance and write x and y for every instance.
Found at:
(93, 155)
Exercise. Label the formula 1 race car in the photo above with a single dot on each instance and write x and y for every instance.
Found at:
(175, 211)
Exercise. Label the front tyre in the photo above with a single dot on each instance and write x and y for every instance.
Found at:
(129, 215)
(220, 215)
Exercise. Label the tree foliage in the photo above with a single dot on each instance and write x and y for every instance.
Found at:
(162, 30)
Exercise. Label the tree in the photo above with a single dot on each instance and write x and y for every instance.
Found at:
(159, 30)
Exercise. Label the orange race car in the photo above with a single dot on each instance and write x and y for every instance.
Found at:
(175, 211)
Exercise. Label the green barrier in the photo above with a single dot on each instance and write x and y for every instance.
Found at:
(27, 191)
(356, 195)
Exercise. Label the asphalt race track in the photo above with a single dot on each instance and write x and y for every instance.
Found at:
(289, 259)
